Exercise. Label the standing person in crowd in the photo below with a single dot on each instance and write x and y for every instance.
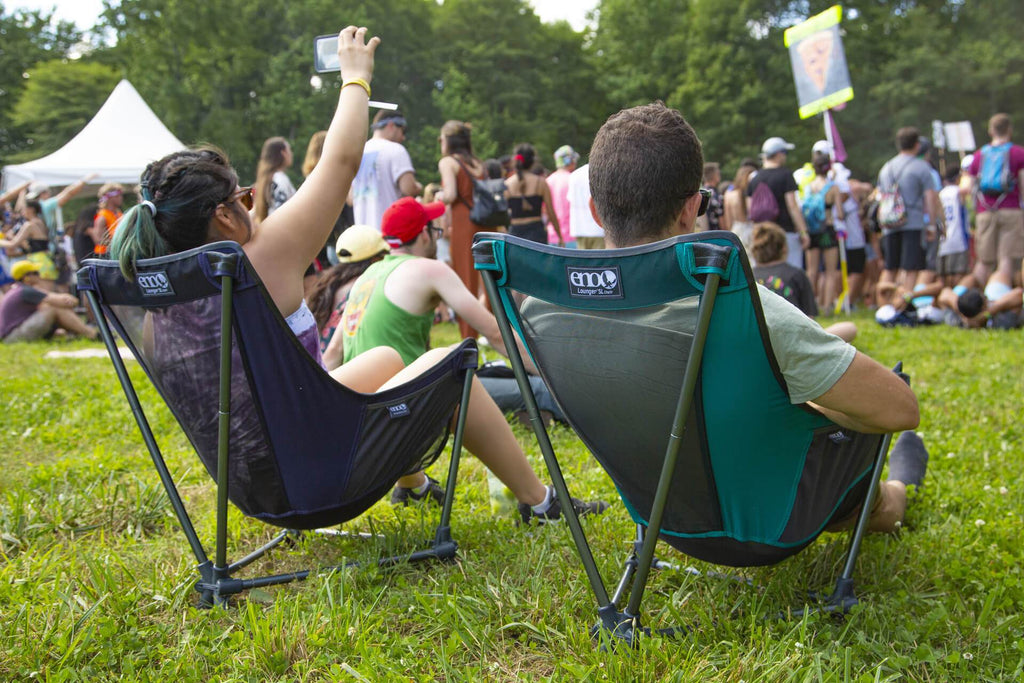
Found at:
(734, 203)
(528, 194)
(847, 220)
(28, 313)
(903, 245)
(273, 186)
(954, 257)
(81, 234)
(52, 205)
(566, 159)
(821, 200)
(712, 218)
(777, 202)
(386, 172)
(111, 196)
(34, 241)
(582, 226)
(998, 171)
(458, 167)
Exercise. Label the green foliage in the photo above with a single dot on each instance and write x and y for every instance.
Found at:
(60, 98)
(26, 38)
(96, 578)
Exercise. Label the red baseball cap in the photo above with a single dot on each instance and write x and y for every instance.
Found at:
(405, 219)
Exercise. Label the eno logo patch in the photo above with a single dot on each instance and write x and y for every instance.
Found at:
(839, 437)
(587, 283)
(398, 410)
(155, 284)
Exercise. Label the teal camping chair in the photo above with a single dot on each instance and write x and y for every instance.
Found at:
(660, 359)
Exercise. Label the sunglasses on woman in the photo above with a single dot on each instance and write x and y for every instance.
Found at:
(242, 194)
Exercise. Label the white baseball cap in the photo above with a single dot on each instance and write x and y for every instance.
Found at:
(773, 146)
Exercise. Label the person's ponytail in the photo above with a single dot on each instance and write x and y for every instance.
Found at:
(136, 237)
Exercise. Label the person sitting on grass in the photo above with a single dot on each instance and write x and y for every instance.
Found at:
(645, 174)
(997, 306)
(192, 197)
(27, 313)
(770, 249)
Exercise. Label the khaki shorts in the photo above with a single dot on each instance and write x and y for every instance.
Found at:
(590, 242)
(954, 264)
(1000, 234)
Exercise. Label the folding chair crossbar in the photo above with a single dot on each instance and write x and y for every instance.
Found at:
(567, 284)
(225, 263)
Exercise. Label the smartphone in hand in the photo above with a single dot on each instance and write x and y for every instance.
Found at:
(325, 54)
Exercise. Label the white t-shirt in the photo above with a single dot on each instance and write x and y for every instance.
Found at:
(955, 240)
(375, 187)
(851, 221)
(281, 190)
(581, 221)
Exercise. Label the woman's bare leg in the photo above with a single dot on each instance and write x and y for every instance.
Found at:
(487, 435)
(812, 259)
(833, 280)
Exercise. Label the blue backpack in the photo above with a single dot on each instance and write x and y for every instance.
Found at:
(995, 177)
(814, 209)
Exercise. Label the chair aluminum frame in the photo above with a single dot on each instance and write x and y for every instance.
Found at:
(625, 624)
(216, 583)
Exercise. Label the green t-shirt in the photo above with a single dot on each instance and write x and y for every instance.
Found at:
(371, 319)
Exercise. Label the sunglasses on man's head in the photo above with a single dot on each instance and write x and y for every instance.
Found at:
(242, 194)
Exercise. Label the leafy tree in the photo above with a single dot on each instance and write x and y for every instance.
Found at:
(26, 38)
(60, 98)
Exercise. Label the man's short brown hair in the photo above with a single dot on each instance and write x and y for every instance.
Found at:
(645, 163)
(1000, 125)
(906, 138)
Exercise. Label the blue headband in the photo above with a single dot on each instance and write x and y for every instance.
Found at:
(397, 120)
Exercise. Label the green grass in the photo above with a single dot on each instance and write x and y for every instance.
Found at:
(96, 579)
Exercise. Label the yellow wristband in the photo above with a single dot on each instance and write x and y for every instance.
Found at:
(360, 82)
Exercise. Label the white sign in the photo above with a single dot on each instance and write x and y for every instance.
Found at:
(938, 136)
(960, 136)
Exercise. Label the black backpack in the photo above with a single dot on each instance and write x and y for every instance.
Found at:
(490, 207)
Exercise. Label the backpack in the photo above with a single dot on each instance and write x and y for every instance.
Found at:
(814, 209)
(763, 205)
(892, 211)
(490, 207)
(995, 177)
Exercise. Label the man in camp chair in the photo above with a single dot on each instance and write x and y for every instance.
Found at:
(645, 173)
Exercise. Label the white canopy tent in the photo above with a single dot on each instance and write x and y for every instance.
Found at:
(120, 140)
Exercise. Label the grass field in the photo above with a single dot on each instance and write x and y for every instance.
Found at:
(96, 578)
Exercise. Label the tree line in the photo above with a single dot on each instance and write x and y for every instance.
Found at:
(234, 72)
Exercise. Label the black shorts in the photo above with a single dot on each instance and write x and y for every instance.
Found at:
(535, 231)
(855, 261)
(903, 250)
(826, 239)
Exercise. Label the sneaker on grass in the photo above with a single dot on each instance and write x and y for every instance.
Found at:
(553, 512)
(431, 491)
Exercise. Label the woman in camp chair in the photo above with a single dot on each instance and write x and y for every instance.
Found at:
(191, 198)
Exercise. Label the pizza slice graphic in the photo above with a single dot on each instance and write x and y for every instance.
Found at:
(816, 55)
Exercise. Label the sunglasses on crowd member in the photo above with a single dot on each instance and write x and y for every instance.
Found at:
(705, 198)
(435, 232)
(242, 194)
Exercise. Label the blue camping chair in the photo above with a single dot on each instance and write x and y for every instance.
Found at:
(283, 441)
(660, 359)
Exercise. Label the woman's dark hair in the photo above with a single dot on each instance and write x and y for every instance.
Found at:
(524, 156)
(821, 164)
(185, 187)
(321, 297)
(458, 136)
(271, 161)
(35, 206)
(494, 169)
(85, 218)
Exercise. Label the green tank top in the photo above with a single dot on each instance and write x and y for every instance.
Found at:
(371, 320)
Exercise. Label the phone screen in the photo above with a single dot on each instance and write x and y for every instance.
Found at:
(325, 54)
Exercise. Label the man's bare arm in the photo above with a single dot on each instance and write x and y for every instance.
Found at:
(870, 398)
(408, 185)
